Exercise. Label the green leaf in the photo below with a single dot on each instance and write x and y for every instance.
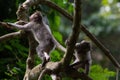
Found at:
(58, 36)
(98, 73)
(55, 56)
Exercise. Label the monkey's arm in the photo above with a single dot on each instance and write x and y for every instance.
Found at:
(22, 27)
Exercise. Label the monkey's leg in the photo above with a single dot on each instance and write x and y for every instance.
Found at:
(77, 65)
(46, 58)
(43, 55)
(87, 68)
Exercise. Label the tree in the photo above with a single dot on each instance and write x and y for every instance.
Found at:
(63, 65)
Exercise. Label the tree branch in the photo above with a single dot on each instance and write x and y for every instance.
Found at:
(43, 72)
(10, 35)
(57, 8)
(31, 55)
(75, 33)
(22, 14)
(34, 73)
(55, 68)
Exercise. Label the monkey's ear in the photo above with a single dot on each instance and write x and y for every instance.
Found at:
(77, 45)
(83, 41)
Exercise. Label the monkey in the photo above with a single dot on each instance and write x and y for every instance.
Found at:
(82, 56)
(42, 34)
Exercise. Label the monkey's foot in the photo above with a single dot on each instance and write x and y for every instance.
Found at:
(45, 61)
(47, 57)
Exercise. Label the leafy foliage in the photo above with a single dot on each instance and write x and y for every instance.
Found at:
(13, 59)
(98, 73)
(55, 56)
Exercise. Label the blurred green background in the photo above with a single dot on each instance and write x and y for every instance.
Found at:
(102, 18)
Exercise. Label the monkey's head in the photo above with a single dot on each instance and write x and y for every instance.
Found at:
(83, 46)
(36, 17)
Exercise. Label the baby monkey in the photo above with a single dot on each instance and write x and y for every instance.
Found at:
(82, 56)
(42, 34)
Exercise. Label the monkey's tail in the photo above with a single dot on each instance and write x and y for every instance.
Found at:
(59, 46)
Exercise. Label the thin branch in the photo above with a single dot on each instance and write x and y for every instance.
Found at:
(44, 71)
(93, 38)
(57, 8)
(10, 35)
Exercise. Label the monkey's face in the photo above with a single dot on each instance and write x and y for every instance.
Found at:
(82, 47)
(36, 17)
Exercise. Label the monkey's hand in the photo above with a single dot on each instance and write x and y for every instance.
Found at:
(67, 42)
(21, 22)
(4, 24)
